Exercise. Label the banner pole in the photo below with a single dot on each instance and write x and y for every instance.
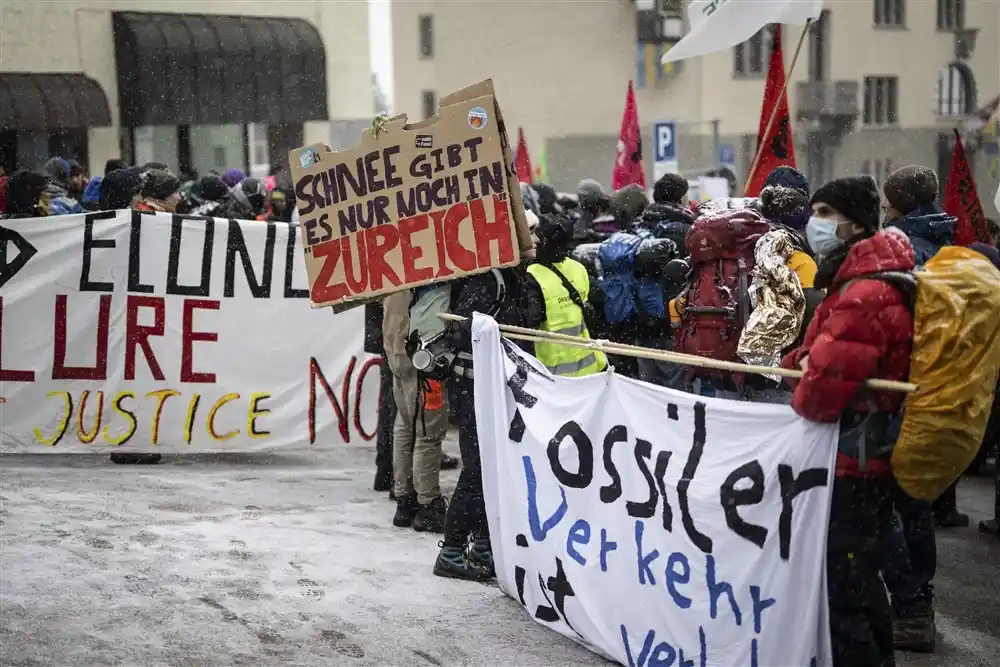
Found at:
(774, 110)
(621, 349)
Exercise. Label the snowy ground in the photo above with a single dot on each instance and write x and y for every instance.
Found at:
(292, 560)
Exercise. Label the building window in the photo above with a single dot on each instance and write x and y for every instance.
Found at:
(890, 13)
(955, 92)
(426, 36)
(750, 58)
(950, 14)
(428, 102)
(881, 100)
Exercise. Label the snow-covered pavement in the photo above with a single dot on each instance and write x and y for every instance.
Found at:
(292, 560)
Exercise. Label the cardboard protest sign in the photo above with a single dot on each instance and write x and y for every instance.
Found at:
(654, 526)
(416, 204)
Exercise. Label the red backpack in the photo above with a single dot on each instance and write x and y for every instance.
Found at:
(717, 303)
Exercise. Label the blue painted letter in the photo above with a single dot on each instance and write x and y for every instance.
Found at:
(538, 529)
(578, 534)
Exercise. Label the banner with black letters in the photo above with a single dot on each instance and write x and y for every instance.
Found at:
(653, 526)
(170, 333)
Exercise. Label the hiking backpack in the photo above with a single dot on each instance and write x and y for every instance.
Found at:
(955, 299)
(717, 303)
(629, 264)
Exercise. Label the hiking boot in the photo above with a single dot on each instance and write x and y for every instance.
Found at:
(481, 553)
(406, 510)
(134, 458)
(383, 480)
(430, 518)
(951, 519)
(915, 631)
(449, 462)
(453, 563)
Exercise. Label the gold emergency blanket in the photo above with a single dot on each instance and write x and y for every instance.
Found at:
(778, 303)
(956, 356)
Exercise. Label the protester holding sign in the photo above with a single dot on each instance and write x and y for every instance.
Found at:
(863, 329)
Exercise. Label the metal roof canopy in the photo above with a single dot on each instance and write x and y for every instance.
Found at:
(46, 101)
(179, 69)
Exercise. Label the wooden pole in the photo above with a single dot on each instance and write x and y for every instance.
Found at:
(535, 335)
(774, 110)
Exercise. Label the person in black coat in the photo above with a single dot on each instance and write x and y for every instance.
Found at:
(386, 405)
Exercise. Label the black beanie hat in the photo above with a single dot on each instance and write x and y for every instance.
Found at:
(160, 185)
(670, 189)
(211, 188)
(24, 188)
(555, 236)
(788, 177)
(854, 197)
(119, 187)
(910, 187)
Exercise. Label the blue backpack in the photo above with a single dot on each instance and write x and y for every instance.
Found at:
(625, 296)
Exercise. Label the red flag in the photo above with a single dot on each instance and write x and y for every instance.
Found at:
(962, 201)
(776, 148)
(628, 161)
(523, 161)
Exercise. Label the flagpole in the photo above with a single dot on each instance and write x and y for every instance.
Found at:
(774, 110)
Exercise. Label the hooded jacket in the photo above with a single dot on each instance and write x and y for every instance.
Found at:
(91, 199)
(57, 201)
(928, 228)
(24, 188)
(862, 329)
(669, 221)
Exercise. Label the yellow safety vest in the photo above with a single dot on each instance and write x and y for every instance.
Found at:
(565, 317)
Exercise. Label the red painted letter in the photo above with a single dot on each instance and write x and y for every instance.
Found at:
(381, 241)
(321, 291)
(412, 254)
(189, 337)
(99, 371)
(461, 257)
(137, 335)
(6, 374)
(498, 230)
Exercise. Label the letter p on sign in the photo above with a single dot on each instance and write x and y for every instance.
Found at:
(664, 148)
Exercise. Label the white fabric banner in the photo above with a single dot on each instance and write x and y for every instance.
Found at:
(721, 24)
(655, 527)
(123, 330)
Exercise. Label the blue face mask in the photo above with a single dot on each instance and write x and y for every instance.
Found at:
(822, 235)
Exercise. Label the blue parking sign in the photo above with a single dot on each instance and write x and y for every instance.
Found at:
(665, 141)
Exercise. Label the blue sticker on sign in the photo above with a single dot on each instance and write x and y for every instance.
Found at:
(478, 118)
(308, 158)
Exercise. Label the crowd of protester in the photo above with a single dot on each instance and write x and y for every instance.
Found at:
(63, 187)
(676, 275)
(667, 274)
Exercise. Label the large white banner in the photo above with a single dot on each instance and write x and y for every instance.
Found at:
(655, 527)
(123, 330)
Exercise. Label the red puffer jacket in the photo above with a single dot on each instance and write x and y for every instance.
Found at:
(861, 330)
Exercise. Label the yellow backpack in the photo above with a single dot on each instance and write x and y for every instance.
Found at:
(956, 357)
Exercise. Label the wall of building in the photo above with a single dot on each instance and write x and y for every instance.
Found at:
(76, 36)
(561, 70)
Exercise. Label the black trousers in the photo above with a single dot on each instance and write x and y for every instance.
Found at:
(467, 512)
(860, 616)
(386, 418)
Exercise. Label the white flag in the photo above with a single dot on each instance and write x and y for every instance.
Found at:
(721, 24)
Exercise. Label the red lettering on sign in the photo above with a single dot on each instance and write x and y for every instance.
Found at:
(355, 283)
(137, 335)
(381, 241)
(461, 257)
(9, 374)
(99, 371)
(412, 254)
(340, 408)
(322, 291)
(189, 337)
(443, 270)
(488, 232)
